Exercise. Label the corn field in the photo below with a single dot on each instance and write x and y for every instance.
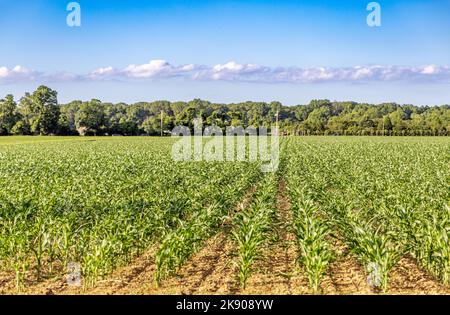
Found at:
(102, 203)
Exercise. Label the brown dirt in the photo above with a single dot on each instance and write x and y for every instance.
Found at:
(136, 278)
(210, 271)
(31, 284)
(408, 278)
(345, 274)
(7, 282)
(127, 276)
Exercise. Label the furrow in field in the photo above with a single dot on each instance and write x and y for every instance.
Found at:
(124, 280)
(211, 270)
(135, 278)
(345, 275)
(408, 278)
(138, 278)
(6, 282)
(47, 285)
(277, 272)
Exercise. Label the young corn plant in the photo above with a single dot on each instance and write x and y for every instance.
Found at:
(426, 237)
(253, 226)
(179, 245)
(249, 237)
(377, 251)
(315, 253)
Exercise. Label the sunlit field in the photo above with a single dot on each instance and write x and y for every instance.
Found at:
(342, 215)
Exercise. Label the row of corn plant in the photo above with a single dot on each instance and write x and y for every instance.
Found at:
(98, 204)
(179, 245)
(377, 249)
(311, 230)
(403, 197)
(252, 226)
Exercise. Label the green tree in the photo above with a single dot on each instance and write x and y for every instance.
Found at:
(90, 118)
(387, 123)
(152, 126)
(21, 128)
(8, 115)
(40, 111)
(318, 119)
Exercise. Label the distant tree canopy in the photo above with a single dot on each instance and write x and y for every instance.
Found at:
(40, 114)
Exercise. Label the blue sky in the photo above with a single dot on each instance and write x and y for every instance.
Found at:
(228, 50)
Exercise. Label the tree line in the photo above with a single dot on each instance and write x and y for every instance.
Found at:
(39, 113)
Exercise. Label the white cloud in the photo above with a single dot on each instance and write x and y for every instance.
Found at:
(149, 70)
(237, 72)
(104, 71)
(255, 73)
(430, 69)
(154, 69)
(17, 74)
